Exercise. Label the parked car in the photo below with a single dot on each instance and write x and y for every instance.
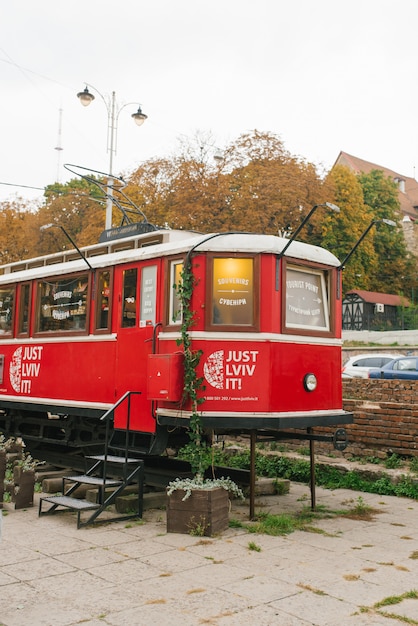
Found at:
(359, 366)
(405, 367)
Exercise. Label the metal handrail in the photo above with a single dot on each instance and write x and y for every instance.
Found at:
(107, 416)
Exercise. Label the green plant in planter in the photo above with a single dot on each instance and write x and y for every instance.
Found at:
(27, 463)
(198, 482)
(5, 444)
(9, 473)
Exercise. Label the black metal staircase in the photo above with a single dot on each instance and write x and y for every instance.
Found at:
(109, 473)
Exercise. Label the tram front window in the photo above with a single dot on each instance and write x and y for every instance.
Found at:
(306, 299)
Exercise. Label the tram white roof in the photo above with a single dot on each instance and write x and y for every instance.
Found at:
(171, 242)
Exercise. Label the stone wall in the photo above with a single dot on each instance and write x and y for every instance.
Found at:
(410, 235)
(385, 417)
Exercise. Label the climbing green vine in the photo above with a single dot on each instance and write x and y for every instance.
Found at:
(196, 451)
(193, 384)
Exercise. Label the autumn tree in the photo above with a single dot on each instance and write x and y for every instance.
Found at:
(171, 192)
(18, 230)
(341, 232)
(257, 186)
(265, 188)
(149, 189)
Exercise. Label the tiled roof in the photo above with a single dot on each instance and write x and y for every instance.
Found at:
(408, 194)
(374, 297)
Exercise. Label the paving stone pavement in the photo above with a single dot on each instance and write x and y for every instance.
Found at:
(135, 573)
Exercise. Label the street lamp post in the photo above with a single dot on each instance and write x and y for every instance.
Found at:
(86, 98)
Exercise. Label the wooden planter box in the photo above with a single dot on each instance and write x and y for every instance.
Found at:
(204, 513)
(24, 491)
(2, 475)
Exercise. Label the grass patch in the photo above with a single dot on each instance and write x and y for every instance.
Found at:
(304, 520)
(392, 601)
(298, 470)
(235, 523)
(361, 511)
(317, 592)
(267, 524)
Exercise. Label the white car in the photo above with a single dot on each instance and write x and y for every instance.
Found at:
(359, 366)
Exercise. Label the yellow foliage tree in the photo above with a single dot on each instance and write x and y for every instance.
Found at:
(341, 233)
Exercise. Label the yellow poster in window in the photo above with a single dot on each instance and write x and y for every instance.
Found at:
(233, 291)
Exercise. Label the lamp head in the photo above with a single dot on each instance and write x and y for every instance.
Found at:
(85, 97)
(139, 117)
(333, 207)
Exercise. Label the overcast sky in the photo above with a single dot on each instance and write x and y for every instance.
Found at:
(323, 75)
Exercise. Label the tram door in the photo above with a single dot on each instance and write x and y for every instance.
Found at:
(137, 315)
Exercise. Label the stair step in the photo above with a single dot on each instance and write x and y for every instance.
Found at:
(71, 503)
(93, 480)
(111, 458)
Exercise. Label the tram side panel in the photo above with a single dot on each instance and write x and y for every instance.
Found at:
(62, 370)
(292, 363)
(236, 376)
(263, 377)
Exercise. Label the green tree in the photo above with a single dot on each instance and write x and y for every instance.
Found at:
(77, 206)
(396, 268)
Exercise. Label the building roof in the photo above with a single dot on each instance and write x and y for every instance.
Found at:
(374, 297)
(408, 187)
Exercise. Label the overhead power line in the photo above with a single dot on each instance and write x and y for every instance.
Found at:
(23, 186)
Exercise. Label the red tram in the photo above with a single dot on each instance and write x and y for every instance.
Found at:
(80, 330)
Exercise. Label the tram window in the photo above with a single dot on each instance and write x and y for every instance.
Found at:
(175, 312)
(7, 297)
(233, 292)
(306, 305)
(148, 295)
(24, 300)
(103, 301)
(129, 298)
(62, 304)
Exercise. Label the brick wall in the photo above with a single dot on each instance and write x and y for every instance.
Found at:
(385, 417)
(385, 420)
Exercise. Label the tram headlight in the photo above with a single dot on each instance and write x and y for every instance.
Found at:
(310, 382)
